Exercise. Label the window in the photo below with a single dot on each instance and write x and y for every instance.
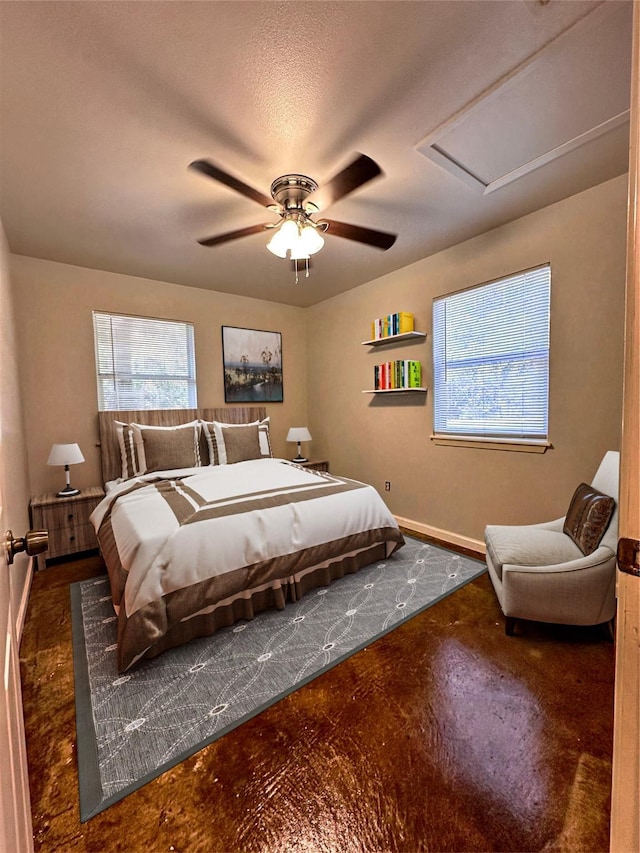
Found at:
(143, 363)
(491, 360)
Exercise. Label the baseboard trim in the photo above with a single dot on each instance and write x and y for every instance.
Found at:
(443, 535)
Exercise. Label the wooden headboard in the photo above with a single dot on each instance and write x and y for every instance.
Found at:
(110, 451)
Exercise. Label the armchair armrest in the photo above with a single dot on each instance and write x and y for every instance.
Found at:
(600, 556)
(556, 525)
(578, 592)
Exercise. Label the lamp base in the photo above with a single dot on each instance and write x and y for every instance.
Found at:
(68, 492)
(300, 459)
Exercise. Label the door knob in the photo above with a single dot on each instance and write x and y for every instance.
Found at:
(34, 542)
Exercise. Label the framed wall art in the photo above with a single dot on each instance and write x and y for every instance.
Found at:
(252, 361)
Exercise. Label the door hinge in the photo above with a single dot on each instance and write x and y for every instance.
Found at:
(629, 556)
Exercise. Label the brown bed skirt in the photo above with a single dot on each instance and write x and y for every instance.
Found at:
(249, 604)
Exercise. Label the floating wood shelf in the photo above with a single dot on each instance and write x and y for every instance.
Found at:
(393, 390)
(390, 339)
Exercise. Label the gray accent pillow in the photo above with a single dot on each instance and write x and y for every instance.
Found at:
(588, 517)
(165, 450)
(241, 443)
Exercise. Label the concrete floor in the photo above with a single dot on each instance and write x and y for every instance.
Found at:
(444, 735)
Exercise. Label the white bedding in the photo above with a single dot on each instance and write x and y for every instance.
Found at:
(219, 531)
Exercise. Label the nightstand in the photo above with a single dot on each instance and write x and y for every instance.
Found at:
(316, 464)
(67, 520)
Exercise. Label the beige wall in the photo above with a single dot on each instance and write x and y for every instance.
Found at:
(456, 490)
(14, 478)
(57, 367)
(386, 437)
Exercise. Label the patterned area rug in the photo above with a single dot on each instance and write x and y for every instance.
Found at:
(133, 727)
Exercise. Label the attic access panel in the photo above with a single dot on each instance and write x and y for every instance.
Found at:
(575, 89)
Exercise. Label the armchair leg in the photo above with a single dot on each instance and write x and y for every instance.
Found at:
(509, 626)
(610, 629)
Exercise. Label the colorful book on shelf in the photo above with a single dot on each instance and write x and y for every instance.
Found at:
(405, 322)
(415, 374)
(393, 324)
(396, 375)
(377, 329)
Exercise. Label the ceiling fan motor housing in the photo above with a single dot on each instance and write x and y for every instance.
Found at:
(290, 191)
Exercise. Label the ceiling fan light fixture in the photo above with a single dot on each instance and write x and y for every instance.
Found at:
(311, 239)
(296, 241)
(276, 247)
(285, 236)
(289, 230)
(298, 251)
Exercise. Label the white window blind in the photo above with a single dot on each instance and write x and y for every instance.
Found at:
(491, 358)
(143, 363)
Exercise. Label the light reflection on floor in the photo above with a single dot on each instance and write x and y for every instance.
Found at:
(492, 728)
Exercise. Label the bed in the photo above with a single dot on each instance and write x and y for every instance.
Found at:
(201, 526)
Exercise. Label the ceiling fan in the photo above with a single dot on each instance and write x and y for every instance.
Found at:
(296, 199)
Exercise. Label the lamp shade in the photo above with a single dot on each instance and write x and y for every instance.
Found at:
(299, 434)
(65, 454)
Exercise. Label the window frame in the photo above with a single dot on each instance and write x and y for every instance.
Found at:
(190, 379)
(487, 439)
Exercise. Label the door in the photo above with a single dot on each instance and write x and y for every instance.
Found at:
(625, 802)
(15, 811)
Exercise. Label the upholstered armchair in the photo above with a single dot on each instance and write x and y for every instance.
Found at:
(539, 572)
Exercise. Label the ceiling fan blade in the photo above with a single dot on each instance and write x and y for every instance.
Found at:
(362, 170)
(211, 171)
(232, 235)
(379, 239)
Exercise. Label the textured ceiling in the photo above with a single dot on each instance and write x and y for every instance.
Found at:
(103, 106)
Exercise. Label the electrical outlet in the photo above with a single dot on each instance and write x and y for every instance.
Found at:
(387, 485)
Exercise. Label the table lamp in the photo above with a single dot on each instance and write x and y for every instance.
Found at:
(299, 434)
(66, 454)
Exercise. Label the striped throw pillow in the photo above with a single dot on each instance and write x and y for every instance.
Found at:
(218, 452)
